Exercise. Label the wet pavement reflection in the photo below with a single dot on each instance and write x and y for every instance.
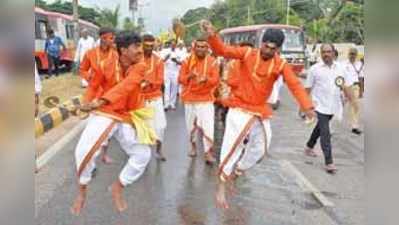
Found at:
(178, 191)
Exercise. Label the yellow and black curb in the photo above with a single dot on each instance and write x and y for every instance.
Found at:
(55, 116)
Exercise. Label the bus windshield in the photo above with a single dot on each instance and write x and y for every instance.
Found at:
(294, 41)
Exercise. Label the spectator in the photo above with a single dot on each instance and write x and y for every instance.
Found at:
(86, 42)
(325, 82)
(53, 49)
(355, 69)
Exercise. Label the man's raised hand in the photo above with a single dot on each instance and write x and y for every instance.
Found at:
(207, 27)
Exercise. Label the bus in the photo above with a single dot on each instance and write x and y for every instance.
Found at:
(293, 49)
(63, 27)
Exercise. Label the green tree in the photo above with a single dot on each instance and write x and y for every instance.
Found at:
(109, 18)
(40, 3)
(190, 19)
(128, 24)
(218, 14)
(88, 14)
(323, 20)
(349, 23)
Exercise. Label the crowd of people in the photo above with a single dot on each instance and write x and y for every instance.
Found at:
(131, 82)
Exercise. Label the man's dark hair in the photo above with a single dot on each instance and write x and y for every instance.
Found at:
(274, 35)
(126, 38)
(201, 38)
(148, 37)
(50, 31)
(246, 44)
(331, 46)
(105, 30)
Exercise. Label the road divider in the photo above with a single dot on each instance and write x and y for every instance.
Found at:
(55, 116)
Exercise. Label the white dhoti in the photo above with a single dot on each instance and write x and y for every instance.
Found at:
(275, 95)
(235, 154)
(98, 130)
(83, 83)
(171, 89)
(158, 122)
(200, 121)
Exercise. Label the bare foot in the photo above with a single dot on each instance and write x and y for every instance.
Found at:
(231, 189)
(311, 152)
(117, 197)
(106, 159)
(221, 201)
(330, 168)
(158, 152)
(193, 151)
(209, 159)
(79, 202)
(158, 155)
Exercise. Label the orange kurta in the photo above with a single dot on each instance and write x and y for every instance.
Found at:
(254, 78)
(101, 70)
(193, 91)
(127, 93)
(155, 75)
(230, 81)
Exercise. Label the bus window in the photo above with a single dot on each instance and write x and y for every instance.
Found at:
(69, 28)
(237, 38)
(252, 38)
(41, 31)
(294, 40)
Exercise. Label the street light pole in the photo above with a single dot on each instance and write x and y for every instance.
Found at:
(288, 12)
(75, 20)
(249, 15)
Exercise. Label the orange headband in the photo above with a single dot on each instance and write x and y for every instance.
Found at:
(107, 36)
(195, 43)
(149, 43)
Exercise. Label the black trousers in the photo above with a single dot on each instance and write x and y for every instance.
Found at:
(322, 130)
(53, 61)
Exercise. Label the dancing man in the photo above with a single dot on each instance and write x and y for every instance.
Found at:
(99, 60)
(111, 116)
(248, 119)
(153, 92)
(199, 77)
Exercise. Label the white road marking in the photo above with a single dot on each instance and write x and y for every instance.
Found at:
(59, 145)
(305, 184)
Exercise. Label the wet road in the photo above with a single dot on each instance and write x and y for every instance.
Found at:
(178, 191)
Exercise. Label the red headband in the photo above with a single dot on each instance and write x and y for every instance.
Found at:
(107, 35)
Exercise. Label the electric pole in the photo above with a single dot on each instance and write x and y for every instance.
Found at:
(249, 15)
(288, 12)
(75, 20)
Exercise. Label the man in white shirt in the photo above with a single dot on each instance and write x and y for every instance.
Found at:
(355, 69)
(274, 99)
(182, 55)
(86, 42)
(173, 59)
(326, 82)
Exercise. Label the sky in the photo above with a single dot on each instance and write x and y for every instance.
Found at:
(158, 14)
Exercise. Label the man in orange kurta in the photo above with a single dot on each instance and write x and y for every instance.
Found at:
(153, 93)
(199, 77)
(248, 119)
(111, 117)
(99, 62)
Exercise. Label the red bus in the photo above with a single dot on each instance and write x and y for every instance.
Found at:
(293, 49)
(63, 27)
